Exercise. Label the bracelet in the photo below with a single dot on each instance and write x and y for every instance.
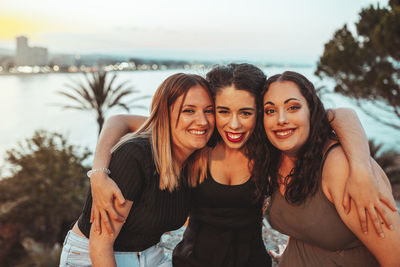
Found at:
(106, 170)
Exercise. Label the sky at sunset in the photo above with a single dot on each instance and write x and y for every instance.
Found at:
(274, 31)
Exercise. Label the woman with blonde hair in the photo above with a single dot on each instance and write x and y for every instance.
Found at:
(149, 168)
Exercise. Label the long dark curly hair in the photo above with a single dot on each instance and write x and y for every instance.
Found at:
(249, 78)
(306, 175)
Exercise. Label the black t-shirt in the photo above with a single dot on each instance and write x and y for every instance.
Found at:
(154, 211)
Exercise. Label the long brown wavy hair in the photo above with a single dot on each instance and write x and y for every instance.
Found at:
(306, 175)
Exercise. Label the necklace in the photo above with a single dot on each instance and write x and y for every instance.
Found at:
(284, 180)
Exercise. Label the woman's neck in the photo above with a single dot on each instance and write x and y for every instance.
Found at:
(229, 166)
(287, 164)
(234, 152)
(228, 153)
(285, 172)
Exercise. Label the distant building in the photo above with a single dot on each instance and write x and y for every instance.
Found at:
(40, 56)
(62, 60)
(22, 56)
(30, 56)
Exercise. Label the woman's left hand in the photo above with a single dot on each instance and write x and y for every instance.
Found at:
(370, 198)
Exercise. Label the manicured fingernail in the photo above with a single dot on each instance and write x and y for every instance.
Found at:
(382, 235)
(391, 227)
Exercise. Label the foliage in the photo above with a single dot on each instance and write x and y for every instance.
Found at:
(40, 255)
(366, 65)
(46, 190)
(389, 160)
(9, 242)
(99, 94)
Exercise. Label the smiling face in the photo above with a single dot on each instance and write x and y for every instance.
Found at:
(235, 116)
(286, 117)
(192, 122)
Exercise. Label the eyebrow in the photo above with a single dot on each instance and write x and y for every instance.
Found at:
(285, 102)
(193, 106)
(226, 108)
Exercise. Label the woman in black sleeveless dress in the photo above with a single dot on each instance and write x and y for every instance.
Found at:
(226, 215)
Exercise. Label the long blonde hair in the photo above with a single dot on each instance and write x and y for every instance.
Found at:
(158, 129)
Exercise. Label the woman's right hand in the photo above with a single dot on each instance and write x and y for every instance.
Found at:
(104, 191)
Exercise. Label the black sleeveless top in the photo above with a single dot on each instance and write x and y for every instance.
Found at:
(224, 228)
(154, 211)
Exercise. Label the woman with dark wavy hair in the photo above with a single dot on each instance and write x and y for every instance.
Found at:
(308, 173)
(226, 215)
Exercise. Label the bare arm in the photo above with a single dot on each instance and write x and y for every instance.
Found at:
(113, 129)
(104, 190)
(387, 249)
(101, 244)
(361, 185)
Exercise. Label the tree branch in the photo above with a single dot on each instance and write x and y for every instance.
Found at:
(378, 119)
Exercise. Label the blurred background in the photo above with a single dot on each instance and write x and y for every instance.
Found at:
(66, 66)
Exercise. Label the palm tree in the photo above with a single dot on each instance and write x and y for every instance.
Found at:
(389, 160)
(96, 94)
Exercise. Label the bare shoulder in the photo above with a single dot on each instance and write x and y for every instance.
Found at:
(336, 163)
(334, 171)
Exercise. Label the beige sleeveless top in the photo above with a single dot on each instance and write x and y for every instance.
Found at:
(318, 236)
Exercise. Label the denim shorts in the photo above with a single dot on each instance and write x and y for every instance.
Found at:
(75, 253)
